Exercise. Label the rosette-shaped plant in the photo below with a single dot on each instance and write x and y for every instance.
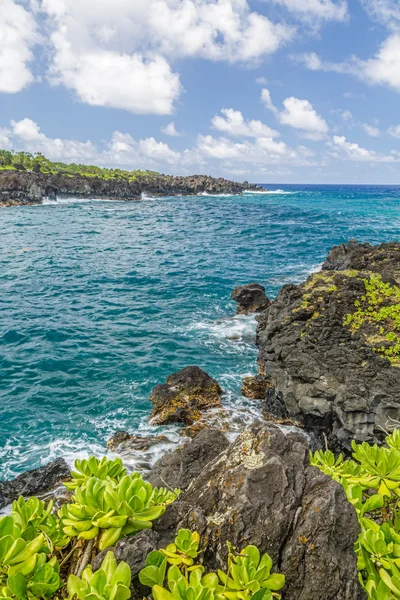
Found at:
(249, 576)
(94, 467)
(110, 582)
(34, 517)
(24, 570)
(118, 508)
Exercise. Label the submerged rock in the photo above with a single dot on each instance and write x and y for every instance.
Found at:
(122, 441)
(262, 490)
(336, 378)
(251, 298)
(177, 469)
(256, 387)
(34, 483)
(184, 396)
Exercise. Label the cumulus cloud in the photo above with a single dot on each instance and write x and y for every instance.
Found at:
(384, 11)
(233, 123)
(262, 151)
(18, 36)
(351, 151)
(371, 130)
(121, 150)
(382, 69)
(170, 130)
(120, 54)
(325, 10)
(394, 131)
(267, 101)
(301, 115)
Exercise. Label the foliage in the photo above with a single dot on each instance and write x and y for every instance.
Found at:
(22, 161)
(110, 582)
(25, 571)
(372, 484)
(107, 504)
(377, 316)
(94, 467)
(248, 574)
(113, 508)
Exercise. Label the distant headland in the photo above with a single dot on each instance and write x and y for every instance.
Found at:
(30, 178)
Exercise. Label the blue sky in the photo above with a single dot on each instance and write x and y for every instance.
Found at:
(296, 91)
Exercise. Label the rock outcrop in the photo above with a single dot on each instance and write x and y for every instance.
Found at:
(251, 298)
(33, 483)
(122, 441)
(262, 490)
(23, 187)
(332, 369)
(179, 468)
(184, 396)
(256, 387)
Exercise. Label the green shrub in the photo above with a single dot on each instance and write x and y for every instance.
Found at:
(372, 485)
(377, 317)
(110, 582)
(248, 574)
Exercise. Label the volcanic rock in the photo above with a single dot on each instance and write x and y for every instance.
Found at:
(335, 380)
(256, 387)
(184, 396)
(262, 490)
(251, 298)
(33, 483)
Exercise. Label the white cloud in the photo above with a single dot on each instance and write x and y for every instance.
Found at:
(384, 11)
(326, 10)
(18, 35)
(371, 130)
(262, 80)
(267, 101)
(301, 115)
(119, 54)
(394, 131)
(262, 151)
(170, 130)
(346, 115)
(233, 123)
(122, 149)
(351, 151)
(5, 141)
(382, 69)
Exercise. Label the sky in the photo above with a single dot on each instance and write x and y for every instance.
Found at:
(272, 91)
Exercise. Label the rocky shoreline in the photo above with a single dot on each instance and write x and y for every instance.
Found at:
(27, 188)
(329, 374)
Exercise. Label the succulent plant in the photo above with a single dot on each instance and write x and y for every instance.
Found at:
(94, 467)
(115, 509)
(110, 582)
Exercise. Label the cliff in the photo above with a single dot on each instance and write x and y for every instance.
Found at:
(24, 187)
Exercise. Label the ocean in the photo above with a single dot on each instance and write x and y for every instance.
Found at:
(102, 300)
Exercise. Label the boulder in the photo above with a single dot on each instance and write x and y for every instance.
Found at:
(122, 441)
(251, 298)
(334, 380)
(262, 490)
(33, 483)
(184, 396)
(178, 469)
(256, 387)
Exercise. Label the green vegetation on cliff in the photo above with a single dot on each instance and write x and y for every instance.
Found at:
(377, 317)
(25, 161)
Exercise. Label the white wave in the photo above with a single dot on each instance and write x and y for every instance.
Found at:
(271, 192)
(216, 195)
(236, 329)
(48, 202)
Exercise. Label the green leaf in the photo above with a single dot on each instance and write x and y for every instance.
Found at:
(17, 585)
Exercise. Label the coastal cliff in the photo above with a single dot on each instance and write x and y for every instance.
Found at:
(25, 187)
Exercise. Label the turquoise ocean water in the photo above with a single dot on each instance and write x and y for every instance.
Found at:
(100, 301)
